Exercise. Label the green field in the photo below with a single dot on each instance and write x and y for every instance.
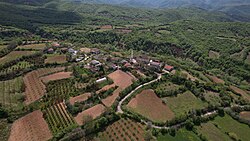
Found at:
(11, 92)
(17, 67)
(184, 103)
(181, 135)
(211, 132)
(32, 47)
(228, 124)
(15, 55)
(212, 98)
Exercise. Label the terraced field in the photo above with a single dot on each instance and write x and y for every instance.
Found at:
(17, 67)
(15, 55)
(32, 47)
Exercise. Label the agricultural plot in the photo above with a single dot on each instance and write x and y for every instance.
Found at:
(35, 89)
(92, 113)
(181, 135)
(59, 90)
(215, 79)
(120, 79)
(32, 47)
(4, 129)
(228, 125)
(213, 54)
(31, 127)
(17, 67)
(241, 92)
(188, 76)
(11, 92)
(147, 103)
(123, 130)
(59, 59)
(184, 103)
(79, 98)
(15, 55)
(58, 118)
(167, 87)
(213, 133)
(56, 76)
(245, 115)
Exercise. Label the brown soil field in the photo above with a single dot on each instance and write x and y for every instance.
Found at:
(56, 59)
(15, 55)
(79, 98)
(105, 88)
(33, 46)
(240, 92)
(122, 80)
(56, 76)
(152, 107)
(215, 79)
(123, 129)
(245, 115)
(34, 88)
(31, 127)
(93, 112)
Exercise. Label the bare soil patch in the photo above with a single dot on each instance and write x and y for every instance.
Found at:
(56, 59)
(33, 46)
(93, 112)
(245, 115)
(79, 98)
(215, 79)
(240, 92)
(56, 76)
(149, 105)
(31, 127)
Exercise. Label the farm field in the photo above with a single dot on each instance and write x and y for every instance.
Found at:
(35, 89)
(241, 92)
(92, 112)
(15, 55)
(58, 118)
(4, 129)
(79, 98)
(123, 130)
(56, 76)
(181, 135)
(32, 47)
(147, 103)
(59, 59)
(120, 79)
(189, 76)
(213, 133)
(215, 79)
(245, 115)
(184, 103)
(30, 127)
(166, 87)
(11, 92)
(228, 124)
(17, 67)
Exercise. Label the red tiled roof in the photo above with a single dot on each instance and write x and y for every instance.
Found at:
(168, 67)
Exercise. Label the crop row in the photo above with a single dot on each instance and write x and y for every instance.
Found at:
(17, 67)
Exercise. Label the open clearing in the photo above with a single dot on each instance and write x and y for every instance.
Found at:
(188, 76)
(240, 92)
(92, 112)
(181, 135)
(35, 88)
(31, 127)
(228, 124)
(79, 98)
(211, 132)
(214, 54)
(245, 115)
(120, 79)
(184, 103)
(212, 97)
(15, 55)
(150, 106)
(56, 76)
(33, 46)
(123, 130)
(215, 79)
(59, 59)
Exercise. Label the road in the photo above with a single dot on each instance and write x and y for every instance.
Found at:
(119, 109)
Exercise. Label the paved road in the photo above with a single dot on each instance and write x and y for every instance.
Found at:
(119, 109)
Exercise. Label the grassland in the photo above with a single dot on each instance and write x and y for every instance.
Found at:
(32, 47)
(212, 98)
(184, 103)
(59, 59)
(228, 125)
(181, 135)
(15, 55)
(211, 132)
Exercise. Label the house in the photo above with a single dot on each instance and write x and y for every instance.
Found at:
(64, 50)
(85, 50)
(71, 50)
(156, 65)
(168, 68)
(55, 44)
(50, 50)
(95, 63)
(79, 59)
(127, 65)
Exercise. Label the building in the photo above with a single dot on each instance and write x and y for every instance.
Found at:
(101, 80)
(50, 50)
(155, 65)
(168, 68)
(95, 51)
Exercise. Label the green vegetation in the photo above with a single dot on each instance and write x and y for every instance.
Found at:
(181, 135)
(183, 103)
